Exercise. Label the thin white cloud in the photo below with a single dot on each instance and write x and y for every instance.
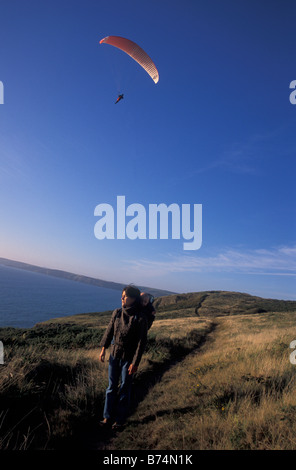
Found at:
(276, 261)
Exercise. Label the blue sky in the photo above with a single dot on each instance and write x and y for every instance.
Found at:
(217, 130)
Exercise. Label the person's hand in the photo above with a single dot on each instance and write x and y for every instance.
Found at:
(102, 355)
(132, 369)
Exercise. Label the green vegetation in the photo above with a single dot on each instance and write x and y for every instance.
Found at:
(206, 381)
(56, 336)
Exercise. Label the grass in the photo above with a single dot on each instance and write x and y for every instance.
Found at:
(236, 393)
(52, 386)
(48, 384)
(204, 382)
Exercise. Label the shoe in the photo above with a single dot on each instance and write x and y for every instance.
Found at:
(117, 427)
(105, 422)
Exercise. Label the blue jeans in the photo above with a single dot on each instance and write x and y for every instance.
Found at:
(117, 406)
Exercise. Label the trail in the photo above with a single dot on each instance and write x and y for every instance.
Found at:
(97, 438)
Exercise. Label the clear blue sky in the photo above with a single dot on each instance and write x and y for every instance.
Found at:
(218, 130)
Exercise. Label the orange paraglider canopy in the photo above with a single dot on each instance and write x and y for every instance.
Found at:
(134, 51)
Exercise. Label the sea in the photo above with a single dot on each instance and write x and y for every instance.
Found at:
(27, 298)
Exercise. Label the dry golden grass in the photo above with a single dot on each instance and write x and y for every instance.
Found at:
(236, 392)
(178, 327)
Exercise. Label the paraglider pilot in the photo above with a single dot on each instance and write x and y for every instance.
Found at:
(120, 97)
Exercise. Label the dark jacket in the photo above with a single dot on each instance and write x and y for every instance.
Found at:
(127, 334)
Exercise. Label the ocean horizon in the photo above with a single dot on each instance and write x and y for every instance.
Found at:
(27, 297)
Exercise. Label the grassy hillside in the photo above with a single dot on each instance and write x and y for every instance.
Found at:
(216, 374)
(213, 303)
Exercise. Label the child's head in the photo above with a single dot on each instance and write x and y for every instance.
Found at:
(145, 299)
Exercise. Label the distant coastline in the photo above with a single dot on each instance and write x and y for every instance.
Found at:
(78, 277)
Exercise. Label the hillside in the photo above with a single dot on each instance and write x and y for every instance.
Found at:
(215, 375)
(76, 277)
(217, 303)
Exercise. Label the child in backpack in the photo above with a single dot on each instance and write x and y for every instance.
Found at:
(147, 308)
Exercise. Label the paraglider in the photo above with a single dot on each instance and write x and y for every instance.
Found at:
(134, 51)
(120, 97)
